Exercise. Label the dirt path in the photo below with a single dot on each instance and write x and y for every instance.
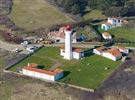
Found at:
(8, 46)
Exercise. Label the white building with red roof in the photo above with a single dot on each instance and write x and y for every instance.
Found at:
(113, 54)
(110, 53)
(32, 70)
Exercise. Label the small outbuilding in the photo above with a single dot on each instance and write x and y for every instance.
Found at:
(110, 53)
(106, 36)
(77, 53)
(32, 70)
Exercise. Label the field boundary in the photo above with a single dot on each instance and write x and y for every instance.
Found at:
(56, 82)
(6, 70)
(111, 74)
(10, 66)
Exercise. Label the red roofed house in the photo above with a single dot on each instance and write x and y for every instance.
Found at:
(32, 71)
(111, 53)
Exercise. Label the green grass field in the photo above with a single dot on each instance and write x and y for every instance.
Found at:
(122, 33)
(88, 72)
(33, 14)
(93, 14)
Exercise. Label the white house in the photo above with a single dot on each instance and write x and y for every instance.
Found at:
(113, 54)
(113, 22)
(106, 36)
(110, 53)
(32, 71)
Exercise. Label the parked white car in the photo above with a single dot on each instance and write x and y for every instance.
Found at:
(31, 48)
(17, 50)
(25, 42)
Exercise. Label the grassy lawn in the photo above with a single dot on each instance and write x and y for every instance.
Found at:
(88, 72)
(122, 33)
(43, 61)
(93, 14)
(33, 14)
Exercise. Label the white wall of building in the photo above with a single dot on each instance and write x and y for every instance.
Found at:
(107, 55)
(42, 75)
(97, 52)
(115, 21)
(76, 55)
(112, 57)
(62, 52)
(38, 75)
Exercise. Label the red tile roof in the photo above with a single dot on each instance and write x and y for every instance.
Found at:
(78, 50)
(114, 52)
(101, 49)
(33, 67)
(74, 49)
(106, 34)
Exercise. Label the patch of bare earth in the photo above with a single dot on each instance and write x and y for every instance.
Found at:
(121, 85)
(35, 91)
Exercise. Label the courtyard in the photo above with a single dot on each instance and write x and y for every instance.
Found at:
(88, 72)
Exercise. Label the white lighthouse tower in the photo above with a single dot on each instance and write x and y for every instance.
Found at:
(68, 43)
